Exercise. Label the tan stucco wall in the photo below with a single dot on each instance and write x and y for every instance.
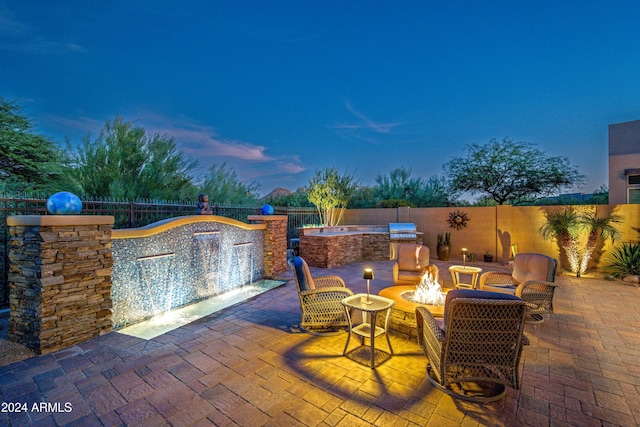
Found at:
(617, 179)
(495, 229)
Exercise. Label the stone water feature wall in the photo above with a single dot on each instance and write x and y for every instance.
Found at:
(59, 280)
(73, 278)
(182, 260)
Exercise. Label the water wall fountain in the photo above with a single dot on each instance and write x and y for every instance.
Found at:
(178, 261)
(72, 277)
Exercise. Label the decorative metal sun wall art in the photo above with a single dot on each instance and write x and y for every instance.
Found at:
(458, 219)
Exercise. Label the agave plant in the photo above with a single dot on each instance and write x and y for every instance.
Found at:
(625, 260)
(564, 226)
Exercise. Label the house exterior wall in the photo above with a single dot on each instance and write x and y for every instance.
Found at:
(624, 155)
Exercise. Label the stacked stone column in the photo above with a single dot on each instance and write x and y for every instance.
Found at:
(59, 280)
(275, 243)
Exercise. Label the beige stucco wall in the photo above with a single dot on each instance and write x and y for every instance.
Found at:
(495, 229)
(617, 179)
(624, 153)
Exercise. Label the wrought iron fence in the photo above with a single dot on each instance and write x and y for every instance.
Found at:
(131, 214)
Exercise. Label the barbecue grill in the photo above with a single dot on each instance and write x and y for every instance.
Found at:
(401, 232)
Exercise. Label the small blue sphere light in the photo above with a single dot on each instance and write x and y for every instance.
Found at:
(64, 203)
(266, 210)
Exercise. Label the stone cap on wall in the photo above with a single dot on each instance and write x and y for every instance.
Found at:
(267, 217)
(167, 224)
(53, 220)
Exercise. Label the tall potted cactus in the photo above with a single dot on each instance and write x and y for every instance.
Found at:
(443, 248)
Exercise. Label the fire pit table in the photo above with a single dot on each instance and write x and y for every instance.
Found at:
(402, 319)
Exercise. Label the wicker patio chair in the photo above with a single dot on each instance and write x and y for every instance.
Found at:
(320, 300)
(412, 263)
(475, 355)
(532, 280)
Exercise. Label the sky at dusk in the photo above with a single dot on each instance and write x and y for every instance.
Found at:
(279, 89)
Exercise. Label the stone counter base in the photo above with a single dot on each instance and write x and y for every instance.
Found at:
(335, 250)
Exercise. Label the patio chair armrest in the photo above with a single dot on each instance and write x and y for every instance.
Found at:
(495, 278)
(425, 318)
(340, 291)
(537, 287)
(328, 281)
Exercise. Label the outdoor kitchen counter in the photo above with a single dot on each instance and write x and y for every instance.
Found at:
(328, 247)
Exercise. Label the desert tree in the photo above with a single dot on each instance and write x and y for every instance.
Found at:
(126, 162)
(564, 226)
(598, 228)
(511, 172)
(224, 187)
(330, 191)
(567, 226)
(28, 161)
(399, 188)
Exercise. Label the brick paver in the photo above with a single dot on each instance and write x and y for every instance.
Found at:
(250, 364)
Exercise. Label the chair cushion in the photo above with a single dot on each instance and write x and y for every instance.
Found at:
(528, 266)
(301, 270)
(412, 257)
(413, 276)
(475, 294)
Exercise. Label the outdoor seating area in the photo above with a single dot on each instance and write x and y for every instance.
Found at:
(532, 279)
(252, 364)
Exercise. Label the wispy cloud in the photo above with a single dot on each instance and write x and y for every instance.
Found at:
(201, 142)
(197, 144)
(198, 140)
(11, 27)
(16, 36)
(204, 144)
(81, 124)
(365, 123)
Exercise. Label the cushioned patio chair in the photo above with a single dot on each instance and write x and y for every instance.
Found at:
(411, 264)
(532, 280)
(475, 355)
(320, 300)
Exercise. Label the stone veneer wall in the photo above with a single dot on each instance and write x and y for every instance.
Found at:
(340, 249)
(59, 280)
(275, 243)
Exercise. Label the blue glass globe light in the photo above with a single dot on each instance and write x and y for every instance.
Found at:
(64, 203)
(266, 210)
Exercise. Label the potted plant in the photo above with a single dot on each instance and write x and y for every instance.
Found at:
(487, 256)
(443, 247)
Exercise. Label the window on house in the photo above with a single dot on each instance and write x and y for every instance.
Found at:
(633, 189)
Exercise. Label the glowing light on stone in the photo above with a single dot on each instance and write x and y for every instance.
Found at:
(189, 263)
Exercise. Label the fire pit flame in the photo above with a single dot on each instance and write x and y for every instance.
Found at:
(428, 292)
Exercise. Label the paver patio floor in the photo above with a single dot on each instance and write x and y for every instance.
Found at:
(250, 365)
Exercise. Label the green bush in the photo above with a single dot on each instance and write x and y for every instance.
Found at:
(625, 260)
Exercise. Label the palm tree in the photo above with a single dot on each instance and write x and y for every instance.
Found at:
(597, 227)
(564, 226)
